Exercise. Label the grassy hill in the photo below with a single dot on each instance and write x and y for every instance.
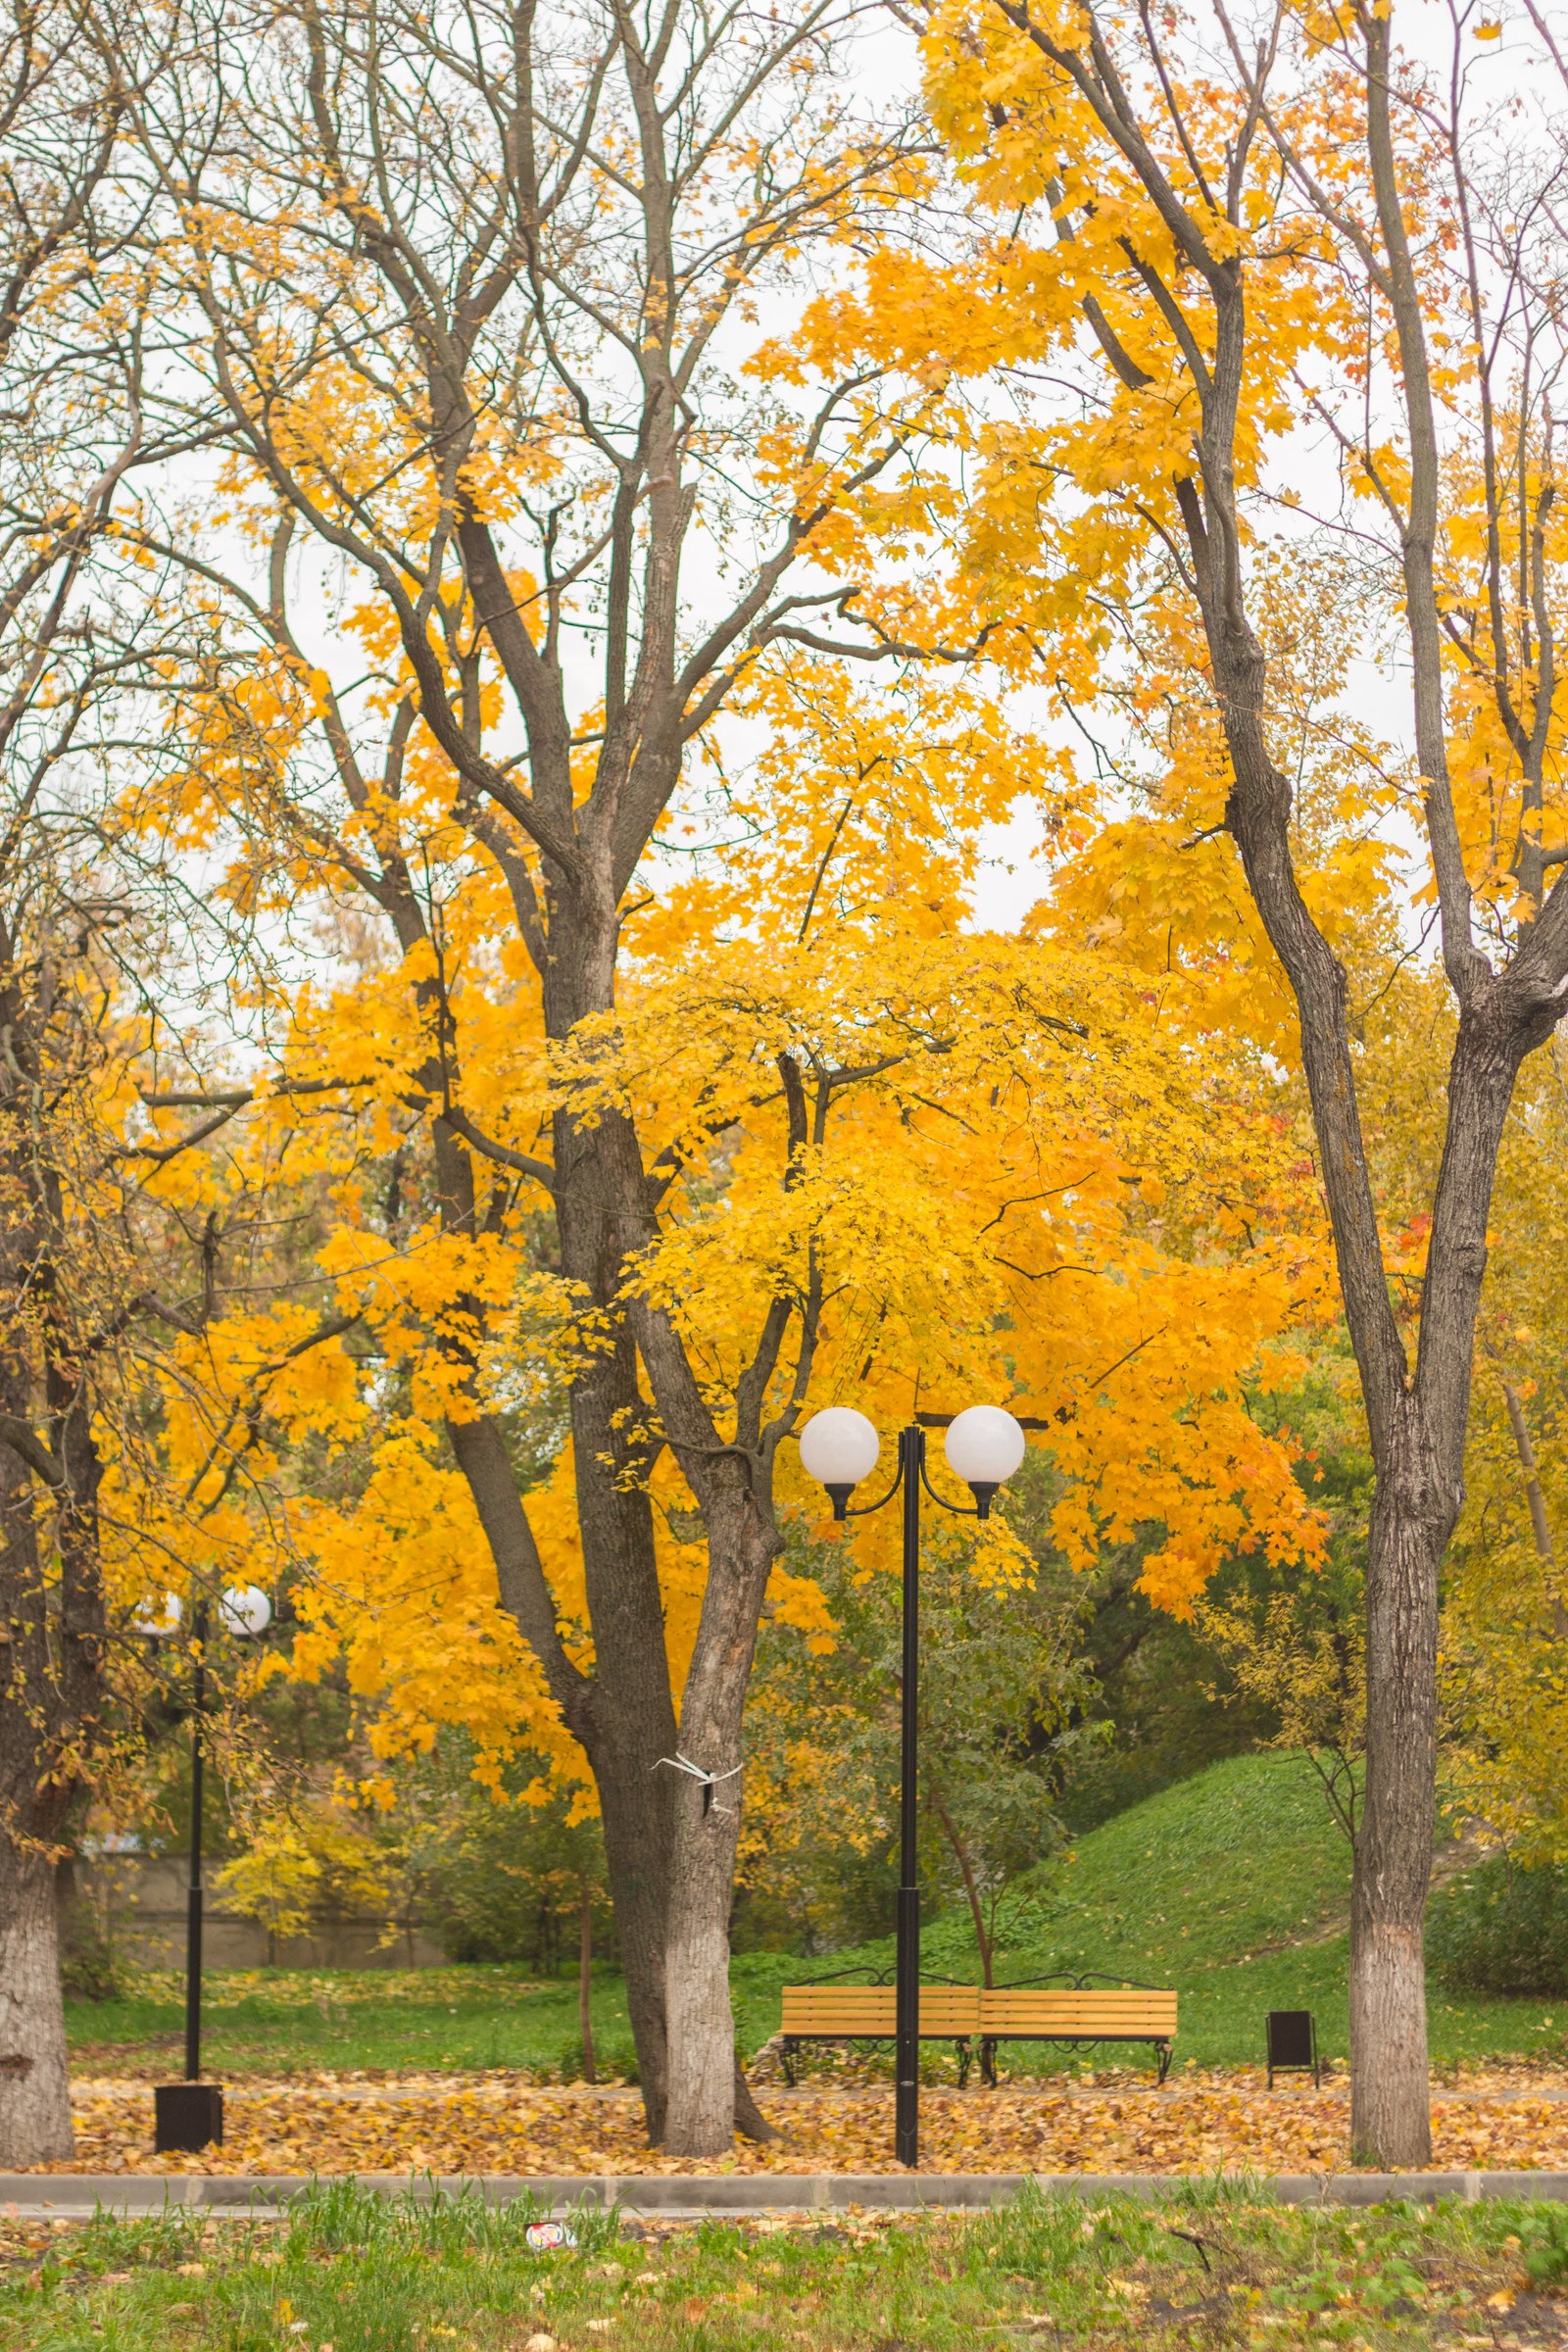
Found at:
(1234, 1887)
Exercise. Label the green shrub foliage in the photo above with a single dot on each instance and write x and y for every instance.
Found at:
(1501, 1929)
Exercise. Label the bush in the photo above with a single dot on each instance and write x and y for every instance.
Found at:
(1545, 2231)
(90, 1968)
(615, 2064)
(1501, 1929)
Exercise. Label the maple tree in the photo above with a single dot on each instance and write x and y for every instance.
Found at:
(542, 225)
(1208, 244)
(1505, 1652)
(661, 1155)
(134, 1428)
(64, 656)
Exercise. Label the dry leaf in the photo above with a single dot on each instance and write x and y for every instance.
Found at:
(1500, 2118)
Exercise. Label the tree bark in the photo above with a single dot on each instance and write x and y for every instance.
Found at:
(971, 1890)
(34, 2082)
(50, 1667)
(743, 1546)
(1389, 2113)
(1540, 1524)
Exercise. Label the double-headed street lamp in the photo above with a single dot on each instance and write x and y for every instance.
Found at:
(984, 1447)
(188, 2116)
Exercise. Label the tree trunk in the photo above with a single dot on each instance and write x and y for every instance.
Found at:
(634, 1808)
(1540, 1524)
(700, 2120)
(1390, 2115)
(585, 1983)
(602, 1219)
(702, 2070)
(971, 1888)
(34, 2082)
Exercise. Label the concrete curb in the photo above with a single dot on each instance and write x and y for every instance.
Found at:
(76, 2195)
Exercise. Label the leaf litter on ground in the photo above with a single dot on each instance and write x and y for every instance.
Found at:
(1501, 2120)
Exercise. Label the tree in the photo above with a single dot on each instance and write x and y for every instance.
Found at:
(471, 295)
(905, 1217)
(1504, 1651)
(71, 438)
(997, 1720)
(1234, 238)
(132, 1414)
(544, 227)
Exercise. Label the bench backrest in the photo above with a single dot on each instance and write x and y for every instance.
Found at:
(1112, 2010)
(1129, 2011)
(850, 2009)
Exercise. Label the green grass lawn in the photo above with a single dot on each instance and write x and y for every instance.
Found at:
(365, 2276)
(269, 2021)
(1233, 1886)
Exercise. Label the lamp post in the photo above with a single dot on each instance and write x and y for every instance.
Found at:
(188, 2116)
(839, 1447)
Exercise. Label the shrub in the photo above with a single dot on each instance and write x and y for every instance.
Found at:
(1545, 2231)
(90, 1968)
(616, 2064)
(1503, 1929)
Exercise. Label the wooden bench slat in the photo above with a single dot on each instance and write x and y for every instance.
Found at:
(872, 2009)
(1042, 2011)
(1162, 2025)
(1080, 2009)
(1083, 1996)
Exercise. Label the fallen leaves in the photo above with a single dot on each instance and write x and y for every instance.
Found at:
(501, 2124)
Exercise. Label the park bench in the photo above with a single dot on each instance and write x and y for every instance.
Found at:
(1074, 2010)
(833, 2009)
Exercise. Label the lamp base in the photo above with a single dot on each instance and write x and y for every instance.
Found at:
(187, 2117)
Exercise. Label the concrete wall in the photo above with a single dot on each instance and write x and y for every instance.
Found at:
(143, 1903)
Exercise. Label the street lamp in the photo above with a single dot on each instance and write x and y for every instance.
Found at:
(839, 1447)
(188, 2116)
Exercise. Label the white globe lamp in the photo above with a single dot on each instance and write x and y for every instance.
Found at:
(157, 1618)
(245, 1609)
(984, 1447)
(839, 1447)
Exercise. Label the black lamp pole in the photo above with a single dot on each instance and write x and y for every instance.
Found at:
(906, 2010)
(839, 1428)
(188, 2116)
(193, 1899)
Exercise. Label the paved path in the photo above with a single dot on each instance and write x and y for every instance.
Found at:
(673, 2195)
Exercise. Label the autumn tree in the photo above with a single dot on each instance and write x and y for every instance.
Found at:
(469, 284)
(477, 296)
(71, 437)
(127, 1437)
(1287, 279)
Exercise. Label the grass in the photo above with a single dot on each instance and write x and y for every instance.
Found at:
(1233, 1886)
(276, 2020)
(362, 2274)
